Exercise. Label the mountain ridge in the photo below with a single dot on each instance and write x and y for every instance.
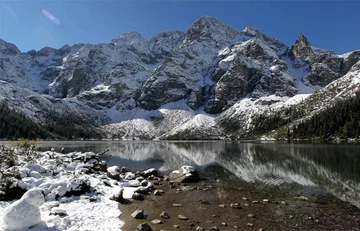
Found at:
(135, 87)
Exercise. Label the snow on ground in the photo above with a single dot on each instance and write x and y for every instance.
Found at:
(57, 175)
(298, 75)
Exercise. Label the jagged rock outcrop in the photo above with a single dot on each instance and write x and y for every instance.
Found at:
(325, 65)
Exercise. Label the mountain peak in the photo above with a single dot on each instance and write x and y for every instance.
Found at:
(8, 48)
(251, 30)
(128, 37)
(210, 28)
(302, 47)
(303, 40)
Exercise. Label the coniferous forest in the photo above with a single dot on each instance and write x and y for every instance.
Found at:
(67, 125)
(14, 125)
(341, 120)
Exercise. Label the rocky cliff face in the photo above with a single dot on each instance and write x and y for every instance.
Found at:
(212, 70)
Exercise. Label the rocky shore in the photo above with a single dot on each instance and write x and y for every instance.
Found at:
(78, 191)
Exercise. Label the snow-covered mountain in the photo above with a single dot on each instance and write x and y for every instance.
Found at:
(174, 85)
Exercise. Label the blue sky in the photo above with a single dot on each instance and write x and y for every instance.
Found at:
(333, 25)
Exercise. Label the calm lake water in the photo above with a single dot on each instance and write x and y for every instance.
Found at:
(302, 168)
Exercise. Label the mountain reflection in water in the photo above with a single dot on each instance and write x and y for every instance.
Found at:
(333, 167)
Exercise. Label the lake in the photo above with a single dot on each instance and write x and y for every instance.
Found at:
(305, 169)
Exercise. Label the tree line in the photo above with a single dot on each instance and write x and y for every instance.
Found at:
(342, 120)
(55, 125)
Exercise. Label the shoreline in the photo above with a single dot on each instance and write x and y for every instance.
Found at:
(260, 210)
(208, 203)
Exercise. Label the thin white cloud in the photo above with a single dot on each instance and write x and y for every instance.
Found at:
(11, 11)
(51, 17)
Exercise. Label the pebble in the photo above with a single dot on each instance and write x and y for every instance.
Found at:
(223, 224)
(246, 205)
(165, 215)
(199, 228)
(58, 211)
(177, 205)
(176, 227)
(205, 202)
(235, 206)
(244, 198)
(182, 217)
(284, 203)
(250, 215)
(250, 224)
(255, 202)
(156, 221)
(157, 193)
(266, 200)
(214, 228)
(302, 198)
(221, 206)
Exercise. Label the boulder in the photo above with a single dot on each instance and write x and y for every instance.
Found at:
(138, 214)
(150, 172)
(142, 190)
(144, 227)
(118, 194)
(187, 174)
(129, 176)
(113, 172)
(25, 212)
(138, 196)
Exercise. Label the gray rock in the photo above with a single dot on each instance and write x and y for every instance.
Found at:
(138, 214)
(140, 179)
(187, 174)
(235, 206)
(138, 196)
(118, 194)
(142, 190)
(144, 183)
(123, 170)
(150, 172)
(165, 215)
(302, 47)
(144, 227)
(156, 221)
(195, 99)
(182, 217)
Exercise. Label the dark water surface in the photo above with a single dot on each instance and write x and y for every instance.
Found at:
(302, 168)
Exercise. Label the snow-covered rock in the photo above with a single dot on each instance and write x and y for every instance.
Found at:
(184, 175)
(25, 212)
